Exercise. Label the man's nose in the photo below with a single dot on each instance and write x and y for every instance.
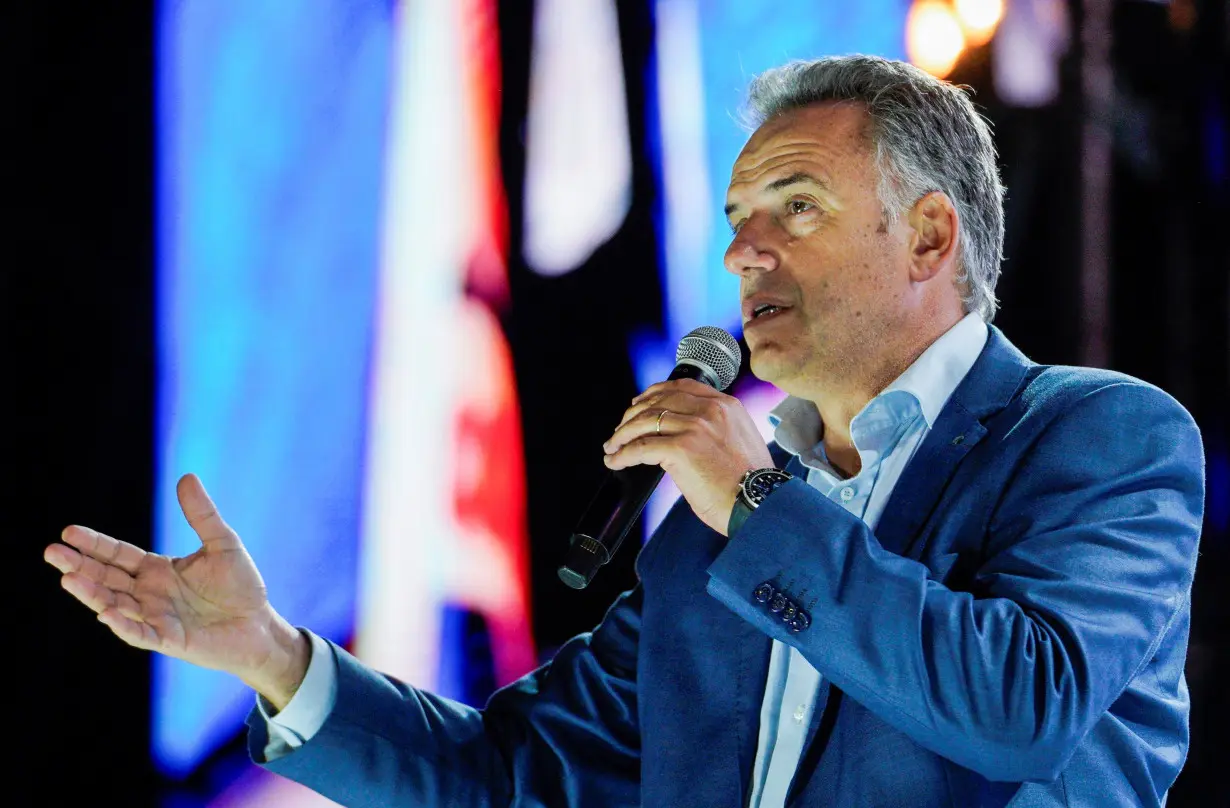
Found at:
(744, 254)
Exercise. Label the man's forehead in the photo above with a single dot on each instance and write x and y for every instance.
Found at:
(796, 159)
(841, 118)
(810, 139)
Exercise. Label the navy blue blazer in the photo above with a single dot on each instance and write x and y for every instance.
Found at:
(1013, 632)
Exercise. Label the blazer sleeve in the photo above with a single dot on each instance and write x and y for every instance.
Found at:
(566, 734)
(1090, 557)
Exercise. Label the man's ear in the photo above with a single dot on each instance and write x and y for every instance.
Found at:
(933, 241)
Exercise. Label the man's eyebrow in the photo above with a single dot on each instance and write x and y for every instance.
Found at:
(796, 178)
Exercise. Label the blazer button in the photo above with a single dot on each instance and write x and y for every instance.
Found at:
(790, 612)
(800, 622)
(778, 603)
(763, 592)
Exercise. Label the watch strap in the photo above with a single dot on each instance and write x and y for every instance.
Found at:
(738, 515)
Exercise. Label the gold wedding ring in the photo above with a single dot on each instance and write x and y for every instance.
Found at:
(660, 420)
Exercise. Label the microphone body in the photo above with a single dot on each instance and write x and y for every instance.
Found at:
(622, 496)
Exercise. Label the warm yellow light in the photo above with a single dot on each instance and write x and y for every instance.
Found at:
(933, 37)
(979, 18)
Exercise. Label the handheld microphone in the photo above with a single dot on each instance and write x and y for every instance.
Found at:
(708, 355)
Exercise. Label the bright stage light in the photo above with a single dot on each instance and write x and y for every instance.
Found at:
(933, 37)
(979, 19)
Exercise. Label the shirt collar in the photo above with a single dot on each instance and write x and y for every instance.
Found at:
(935, 375)
(931, 379)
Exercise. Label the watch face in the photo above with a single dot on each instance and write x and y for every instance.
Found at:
(762, 483)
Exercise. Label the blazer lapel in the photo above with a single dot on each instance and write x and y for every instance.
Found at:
(918, 491)
(984, 391)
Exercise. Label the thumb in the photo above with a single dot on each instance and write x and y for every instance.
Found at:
(203, 516)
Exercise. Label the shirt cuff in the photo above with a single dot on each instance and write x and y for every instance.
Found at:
(308, 709)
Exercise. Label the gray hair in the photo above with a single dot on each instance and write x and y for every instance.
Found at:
(927, 136)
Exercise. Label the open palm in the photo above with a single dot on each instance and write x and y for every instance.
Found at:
(209, 608)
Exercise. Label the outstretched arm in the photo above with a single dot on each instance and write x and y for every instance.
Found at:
(566, 734)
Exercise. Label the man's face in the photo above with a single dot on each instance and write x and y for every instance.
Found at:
(809, 238)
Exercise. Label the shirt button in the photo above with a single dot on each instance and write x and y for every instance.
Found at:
(847, 494)
(800, 713)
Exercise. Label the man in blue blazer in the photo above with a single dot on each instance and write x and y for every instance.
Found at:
(955, 578)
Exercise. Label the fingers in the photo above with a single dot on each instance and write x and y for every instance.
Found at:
(133, 632)
(650, 450)
(642, 418)
(639, 441)
(637, 423)
(665, 410)
(104, 548)
(96, 584)
(98, 598)
(681, 395)
(203, 515)
(112, 578)
(67, 560)
(104, 589)
(699, 389)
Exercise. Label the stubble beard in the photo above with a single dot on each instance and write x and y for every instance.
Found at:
(808, 364)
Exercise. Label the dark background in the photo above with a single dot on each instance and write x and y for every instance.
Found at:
(78, 273)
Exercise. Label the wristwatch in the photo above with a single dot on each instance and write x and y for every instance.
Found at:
(755, 486)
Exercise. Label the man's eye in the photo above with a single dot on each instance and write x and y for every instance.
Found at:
(735, 226)
(797, 206)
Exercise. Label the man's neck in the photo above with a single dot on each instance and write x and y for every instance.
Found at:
(849, 388)
(837, 408)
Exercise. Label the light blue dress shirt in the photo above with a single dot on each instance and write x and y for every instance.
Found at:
(886, 434)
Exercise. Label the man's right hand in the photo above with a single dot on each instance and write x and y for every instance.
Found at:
(209, 608)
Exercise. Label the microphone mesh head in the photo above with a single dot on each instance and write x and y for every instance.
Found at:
(713, 349)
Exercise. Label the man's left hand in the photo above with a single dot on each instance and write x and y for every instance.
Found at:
(705, 441)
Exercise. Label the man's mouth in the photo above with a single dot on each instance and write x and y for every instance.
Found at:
(765, 310)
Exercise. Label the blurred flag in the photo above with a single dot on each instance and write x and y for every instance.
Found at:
(444, 503)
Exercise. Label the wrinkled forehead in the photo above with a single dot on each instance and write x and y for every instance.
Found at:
(829, 132)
